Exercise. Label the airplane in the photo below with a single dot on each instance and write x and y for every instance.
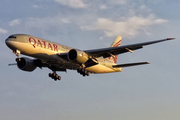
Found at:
(59, 57)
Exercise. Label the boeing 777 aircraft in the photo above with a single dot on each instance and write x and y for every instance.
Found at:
(58, 57)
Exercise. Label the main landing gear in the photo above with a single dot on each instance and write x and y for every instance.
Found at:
(83, 72)
(55, 76)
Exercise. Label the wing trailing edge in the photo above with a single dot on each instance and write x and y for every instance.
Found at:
(130, 64)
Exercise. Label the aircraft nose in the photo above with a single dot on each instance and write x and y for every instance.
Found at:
(9, 41)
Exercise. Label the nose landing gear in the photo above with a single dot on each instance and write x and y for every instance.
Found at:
(54, 76)
(17, 52)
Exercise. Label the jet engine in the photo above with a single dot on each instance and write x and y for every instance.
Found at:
(26, 64)
(77, 56)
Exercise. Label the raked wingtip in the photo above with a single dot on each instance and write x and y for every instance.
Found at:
(171, 38)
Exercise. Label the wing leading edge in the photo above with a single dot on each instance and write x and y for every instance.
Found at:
(108, 52)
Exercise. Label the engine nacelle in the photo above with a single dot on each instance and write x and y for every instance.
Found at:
(26, 64)
(77, 56)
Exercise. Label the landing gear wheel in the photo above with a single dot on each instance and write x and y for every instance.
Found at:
(59, 77)
(88, 73)
(54, 76)
(50, 74)
(18, 59)
(55, 79)
(83, 72)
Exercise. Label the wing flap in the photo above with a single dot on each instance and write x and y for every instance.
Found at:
(90, 62)
(130, 64)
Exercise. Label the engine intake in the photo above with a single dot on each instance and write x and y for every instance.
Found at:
(26, 64)
(77, 56)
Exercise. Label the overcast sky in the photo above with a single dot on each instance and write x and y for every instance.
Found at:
(148, 92)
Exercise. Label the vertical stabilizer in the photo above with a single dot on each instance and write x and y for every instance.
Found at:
(116, 43)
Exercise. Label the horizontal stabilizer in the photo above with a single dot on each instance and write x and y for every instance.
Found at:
(130, 64)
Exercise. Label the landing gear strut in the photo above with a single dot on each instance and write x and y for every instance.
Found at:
(54, 76)
(17, 52)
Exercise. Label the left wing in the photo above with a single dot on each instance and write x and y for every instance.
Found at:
(108, 52)
(130, 64)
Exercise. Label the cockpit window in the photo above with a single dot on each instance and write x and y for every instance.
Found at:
(12, 36)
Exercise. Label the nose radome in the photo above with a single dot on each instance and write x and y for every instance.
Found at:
(7, 41)
(10, 43)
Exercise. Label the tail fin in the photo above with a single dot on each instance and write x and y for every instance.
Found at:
(116, 43)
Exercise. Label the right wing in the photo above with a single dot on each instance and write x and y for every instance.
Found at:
(108, 52)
